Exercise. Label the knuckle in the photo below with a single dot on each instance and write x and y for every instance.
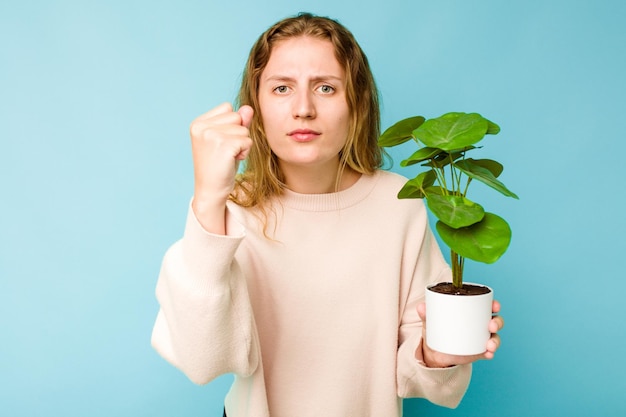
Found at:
(195, 128)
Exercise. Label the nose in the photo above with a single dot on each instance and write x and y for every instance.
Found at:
(304, 106)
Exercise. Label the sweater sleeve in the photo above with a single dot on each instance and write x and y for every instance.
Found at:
(205, 326)
(442, 386)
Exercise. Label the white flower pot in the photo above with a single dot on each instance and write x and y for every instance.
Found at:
(458, 324)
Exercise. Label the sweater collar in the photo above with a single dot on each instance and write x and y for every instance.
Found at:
(331, 201)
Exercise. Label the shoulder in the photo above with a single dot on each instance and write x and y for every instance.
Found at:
(388, 185)
(392, 180)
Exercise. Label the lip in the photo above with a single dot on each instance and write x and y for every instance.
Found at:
(303, 135)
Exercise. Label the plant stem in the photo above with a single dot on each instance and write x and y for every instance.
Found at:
(457, 269)
(441, 178)
(467, 187)
(456, 178)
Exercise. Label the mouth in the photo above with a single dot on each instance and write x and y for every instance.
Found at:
(303, 135)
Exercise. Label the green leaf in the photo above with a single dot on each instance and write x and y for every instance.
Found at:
(493, 128)
(438, 162)
(436, 189)
(494, 167)
(452, 131)
(400, 132)
(478, 172)
(421, 155)
(443, 159)
(485, 241)
(414, 188)
(455, 211)
(459, 153)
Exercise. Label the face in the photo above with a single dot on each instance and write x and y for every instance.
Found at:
(303, 104)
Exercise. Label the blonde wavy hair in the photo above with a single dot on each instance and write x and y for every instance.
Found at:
(262, 178)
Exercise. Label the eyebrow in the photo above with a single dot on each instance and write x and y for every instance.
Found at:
(316, 78)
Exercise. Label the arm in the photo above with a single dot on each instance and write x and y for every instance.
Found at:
(205, 325)
(423, 372)
(219, 141)
(444, 386)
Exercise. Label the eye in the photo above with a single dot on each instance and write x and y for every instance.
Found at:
(326, 89)
(281, 89)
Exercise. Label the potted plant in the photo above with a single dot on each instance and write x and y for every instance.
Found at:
(458, 312)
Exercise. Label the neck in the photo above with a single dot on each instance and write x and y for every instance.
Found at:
(306, 180)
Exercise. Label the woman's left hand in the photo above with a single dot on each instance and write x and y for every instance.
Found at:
(434, 359)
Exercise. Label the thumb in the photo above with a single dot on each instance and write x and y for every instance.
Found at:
(421, 311)
(246, 112)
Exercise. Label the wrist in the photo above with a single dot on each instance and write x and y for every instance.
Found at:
(210, 214)
(431, 358)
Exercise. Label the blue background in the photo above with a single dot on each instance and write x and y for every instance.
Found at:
(95, 176)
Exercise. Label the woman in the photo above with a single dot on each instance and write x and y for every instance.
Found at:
(305, 275)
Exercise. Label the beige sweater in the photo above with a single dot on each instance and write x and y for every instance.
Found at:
(320, 320)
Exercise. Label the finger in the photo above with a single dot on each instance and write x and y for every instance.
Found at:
(226, 118)
(496, 324)
(246, 112)
(495, 306)
(493, 344)
(220, 109)
(246, 145)
(488, 355)
(218, 128)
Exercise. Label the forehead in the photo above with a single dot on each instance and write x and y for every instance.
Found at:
(303, 54)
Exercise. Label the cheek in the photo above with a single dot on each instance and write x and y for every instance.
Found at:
(272, 130)
(269, 122)
(344, 122)
(266, 111)
(345, 117)
(272, 115)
